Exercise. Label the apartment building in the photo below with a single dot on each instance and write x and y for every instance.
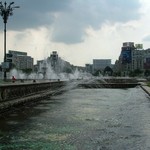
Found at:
(133, 57)
(20, 59)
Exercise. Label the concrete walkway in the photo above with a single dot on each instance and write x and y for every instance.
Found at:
(146, 88)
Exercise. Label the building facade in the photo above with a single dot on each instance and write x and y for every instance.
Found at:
(54, 63)
(132, 57)
(100, 64)
(20, 60)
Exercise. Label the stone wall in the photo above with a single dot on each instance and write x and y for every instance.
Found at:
(16, 95)
(15, 91)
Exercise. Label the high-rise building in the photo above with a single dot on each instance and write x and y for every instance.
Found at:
(137, 59)
(125, 58)
(146, 59)
(133, 58)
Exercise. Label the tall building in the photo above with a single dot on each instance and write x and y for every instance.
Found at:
(132, 57)
(137, 59)
(146, 61)
(20, 59)
(125, 58)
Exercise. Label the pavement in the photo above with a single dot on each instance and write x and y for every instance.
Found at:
(24, 81)
(145, 88)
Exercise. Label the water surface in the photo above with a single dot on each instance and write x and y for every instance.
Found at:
(81, 119)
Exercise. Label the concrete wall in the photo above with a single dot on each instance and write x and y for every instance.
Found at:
(15, 95)
(14, 91)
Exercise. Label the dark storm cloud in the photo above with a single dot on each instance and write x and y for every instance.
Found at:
(68, 19)
(71, 26)
(36, 13)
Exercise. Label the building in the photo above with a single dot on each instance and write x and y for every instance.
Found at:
(146, 57)
(125, 58)
(88, 68)
(100, 64)
(20, 60)
(132, 58)
(137, 59)
(54, 63)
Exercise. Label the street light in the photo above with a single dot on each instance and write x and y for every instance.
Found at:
(5, 12)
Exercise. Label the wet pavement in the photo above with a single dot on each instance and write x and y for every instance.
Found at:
(81, 119)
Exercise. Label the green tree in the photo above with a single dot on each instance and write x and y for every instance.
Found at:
(97, 73)
(147, 73)
(136, 72)
(27, 71)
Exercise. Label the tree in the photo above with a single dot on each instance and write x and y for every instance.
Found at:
(97, 73)
(27, 71)
(108, 71)
(136, 72)
(147, 73)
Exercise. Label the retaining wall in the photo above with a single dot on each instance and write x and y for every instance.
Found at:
(14, 91)
(14, 95)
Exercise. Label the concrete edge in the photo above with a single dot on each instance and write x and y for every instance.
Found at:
(146, 89)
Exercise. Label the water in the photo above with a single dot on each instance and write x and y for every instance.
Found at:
(81, 119)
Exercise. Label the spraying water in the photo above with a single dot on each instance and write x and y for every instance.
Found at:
(47, 71)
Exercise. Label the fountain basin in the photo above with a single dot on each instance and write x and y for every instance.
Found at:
(109, 85)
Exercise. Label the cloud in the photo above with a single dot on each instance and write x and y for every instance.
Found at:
(146, 38)
(71, 26)
(69, 19)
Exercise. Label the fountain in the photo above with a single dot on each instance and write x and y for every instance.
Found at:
(53, 72)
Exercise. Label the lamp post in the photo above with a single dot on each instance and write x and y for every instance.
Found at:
(5, 12)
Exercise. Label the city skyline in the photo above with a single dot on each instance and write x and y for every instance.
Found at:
(79, 31)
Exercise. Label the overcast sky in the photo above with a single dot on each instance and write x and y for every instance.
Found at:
(79, 30)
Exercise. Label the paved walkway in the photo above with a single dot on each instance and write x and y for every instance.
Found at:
(146, 88)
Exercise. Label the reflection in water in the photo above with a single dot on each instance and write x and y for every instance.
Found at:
(80, 119)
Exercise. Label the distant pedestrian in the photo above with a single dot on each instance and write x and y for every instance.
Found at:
(13, 79)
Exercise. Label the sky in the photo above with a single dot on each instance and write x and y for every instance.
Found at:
(79, 30)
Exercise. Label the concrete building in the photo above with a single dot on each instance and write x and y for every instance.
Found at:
(101, 64)
(137, 59)
(55, 63)
(146, 59)
(132, 57)
(20, 60)
(125, 58)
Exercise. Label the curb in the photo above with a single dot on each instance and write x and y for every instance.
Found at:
(146, 89)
